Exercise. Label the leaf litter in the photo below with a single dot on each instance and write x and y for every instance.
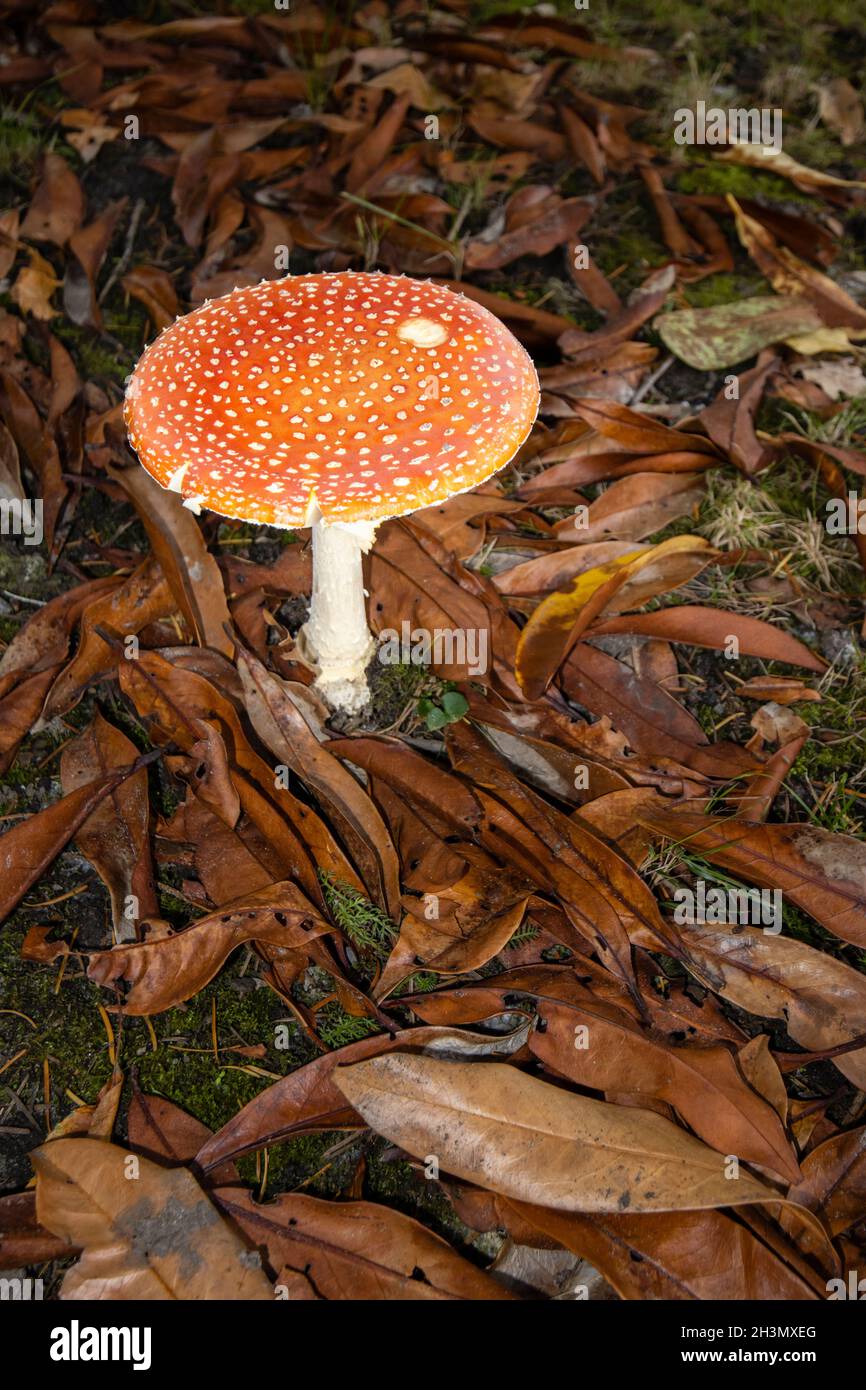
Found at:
(460, 906)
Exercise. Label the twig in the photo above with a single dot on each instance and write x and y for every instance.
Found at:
(647, 385)
(126, 256)
(22, 598)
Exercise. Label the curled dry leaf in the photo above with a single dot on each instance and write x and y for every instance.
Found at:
(712, 627)
(551, 229)
(634, 507)
(30, 846)
(352, 1250)
(730, 422)
(308, 1099)
(703, 1084)
(153, 288)
(791, 276)
(834, 1180)
(821, 1000)
(87, 250)
(561, 619)
(163, 972)
(281, 725)
(173, 699)
(143, 598)
(23, 1241)
(115, 837)
(679, 1256)
(784, 690)
(773, 161)
(841, 109)
(57, 208)
(190, 569)
(460, 927)
(43, 641)
(34, 287)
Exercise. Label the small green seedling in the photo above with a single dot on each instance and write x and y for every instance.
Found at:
(452, 708)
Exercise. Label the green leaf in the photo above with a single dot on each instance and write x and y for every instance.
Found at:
(437, 718)
(719, 337)
(455, 705)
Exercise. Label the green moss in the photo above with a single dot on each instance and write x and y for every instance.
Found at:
(369, 929)
(126, 321)
(394, 688)
(23, 137)
(632, 247)
(833, 755)
(721, 289)
(96, 359)
(712, 176)
(421, 983)
(337, 1028)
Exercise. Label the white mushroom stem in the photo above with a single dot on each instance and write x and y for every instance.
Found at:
(336, 637)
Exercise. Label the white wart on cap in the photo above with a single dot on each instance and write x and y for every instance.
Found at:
(366, 396)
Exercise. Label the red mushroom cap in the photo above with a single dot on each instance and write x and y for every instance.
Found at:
(366, 395)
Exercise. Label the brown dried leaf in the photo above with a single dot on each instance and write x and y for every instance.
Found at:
(57, 207)
(820, 871)
(356, 1250)
(154, 1238)
(502, 1129)
(179, 547)
(115, 837)
(163, 972)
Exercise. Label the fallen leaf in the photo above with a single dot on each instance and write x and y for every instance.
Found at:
(188, 566)
(562, 618)
(712, 627)
(34, 287)
(31, 845)
(820, 871)
(841, 109)
(678, 1256)
(506, 1131)
(87, 250)
(57, 208)
(773, 161)
(709, 339)
(283, 729)
(353, 1250)
(143, 598)
(154, 289)
(163, 972)
(116, 836)
(155, 1238)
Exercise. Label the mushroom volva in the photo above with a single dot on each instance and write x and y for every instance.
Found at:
(334, 401)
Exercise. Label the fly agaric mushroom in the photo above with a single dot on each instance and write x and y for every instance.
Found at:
(334, 401)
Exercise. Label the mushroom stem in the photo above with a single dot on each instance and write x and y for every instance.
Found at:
(336, 637)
